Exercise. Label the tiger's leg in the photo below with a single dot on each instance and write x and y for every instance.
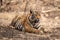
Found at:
(30, 29)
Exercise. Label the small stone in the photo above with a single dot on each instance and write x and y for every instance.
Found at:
(56, 17)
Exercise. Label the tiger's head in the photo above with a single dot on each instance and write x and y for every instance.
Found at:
(34, 19)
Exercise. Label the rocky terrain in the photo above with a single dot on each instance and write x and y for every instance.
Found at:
(50, 19)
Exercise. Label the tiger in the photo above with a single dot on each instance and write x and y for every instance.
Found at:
(27, 22)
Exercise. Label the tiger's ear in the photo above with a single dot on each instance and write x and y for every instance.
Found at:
(31, 12)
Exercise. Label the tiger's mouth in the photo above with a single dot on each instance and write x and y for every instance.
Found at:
(36, 23)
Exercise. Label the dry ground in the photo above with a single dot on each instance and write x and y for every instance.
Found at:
(50, 19)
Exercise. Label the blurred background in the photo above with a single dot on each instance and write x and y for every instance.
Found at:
(50, 18)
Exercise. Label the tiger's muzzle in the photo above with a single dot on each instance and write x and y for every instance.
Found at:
(34, 21)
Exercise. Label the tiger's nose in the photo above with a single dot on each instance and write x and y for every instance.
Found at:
(37, 20)
(33, 17)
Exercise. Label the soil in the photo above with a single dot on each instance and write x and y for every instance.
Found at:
(50, 19)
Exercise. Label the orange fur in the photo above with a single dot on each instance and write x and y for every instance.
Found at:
(23, 20)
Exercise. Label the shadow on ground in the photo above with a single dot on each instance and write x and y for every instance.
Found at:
(9, 33)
